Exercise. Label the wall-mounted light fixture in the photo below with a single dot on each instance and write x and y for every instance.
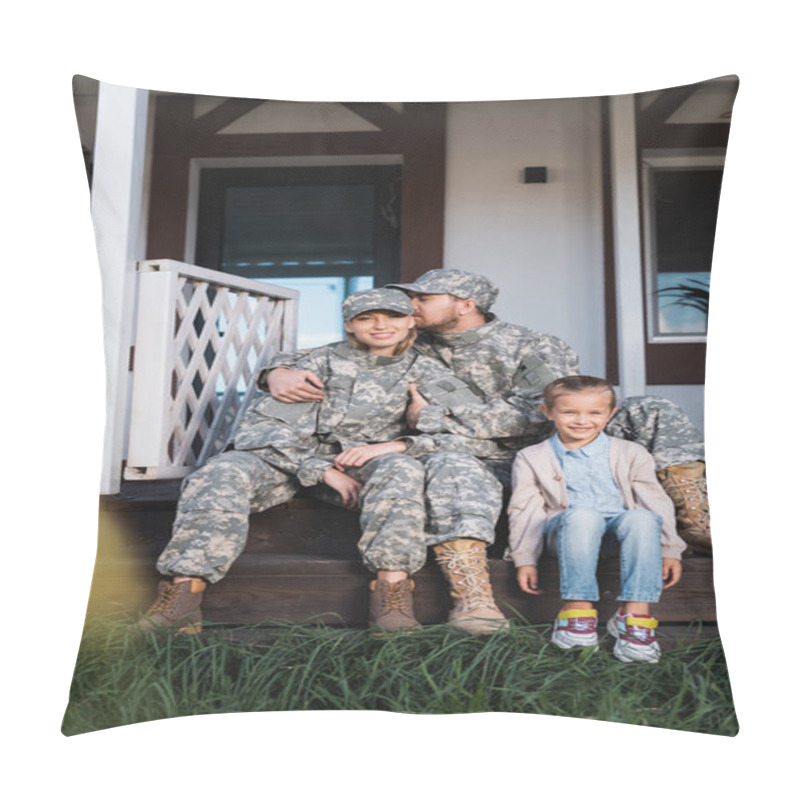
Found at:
(535, 174)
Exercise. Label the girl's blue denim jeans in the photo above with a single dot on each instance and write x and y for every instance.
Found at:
(576, 536)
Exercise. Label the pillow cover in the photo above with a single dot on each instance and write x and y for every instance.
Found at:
(250, 221)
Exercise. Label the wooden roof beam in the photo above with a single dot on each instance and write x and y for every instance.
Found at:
(223, 115)
(378, 114)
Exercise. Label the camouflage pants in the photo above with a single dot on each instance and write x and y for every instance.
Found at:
(661, 426)
(211, 525)
(463, 498)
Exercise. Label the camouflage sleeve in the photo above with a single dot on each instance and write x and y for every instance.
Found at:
(282, 434)
(311, 471)
(284, 359)
(442, 389)
(417, 446)
(438, 385)
(517, 413)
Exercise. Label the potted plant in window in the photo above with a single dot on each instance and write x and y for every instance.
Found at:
(692, 293)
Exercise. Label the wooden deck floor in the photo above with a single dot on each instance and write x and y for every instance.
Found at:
(301, 564)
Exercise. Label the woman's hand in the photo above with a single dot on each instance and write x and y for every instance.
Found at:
(347, 487)
(358, 456)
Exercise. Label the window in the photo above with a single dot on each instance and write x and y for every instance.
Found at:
(680, 214)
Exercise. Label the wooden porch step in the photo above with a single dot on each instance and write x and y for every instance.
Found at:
(301, 564)
(300, 588)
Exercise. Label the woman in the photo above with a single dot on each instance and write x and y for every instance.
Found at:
(353, 447)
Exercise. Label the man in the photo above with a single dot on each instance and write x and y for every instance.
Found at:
(507, 366)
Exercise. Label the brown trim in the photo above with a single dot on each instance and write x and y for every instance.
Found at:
(609, 272)
(679, 362)
(417, 136)
(654, 132)
(292, 144)
(711, 134)
(169, 177)
(422, 229)
(378, 114)
(664, 106)
(223, 115)
(676, 363)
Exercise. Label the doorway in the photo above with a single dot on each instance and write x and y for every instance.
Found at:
(325, 231)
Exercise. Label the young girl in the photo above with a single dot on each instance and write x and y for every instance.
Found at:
(570, 492)
(354, 442)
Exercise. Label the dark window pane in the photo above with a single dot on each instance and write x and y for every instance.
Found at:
(298, 226)
(686, 203)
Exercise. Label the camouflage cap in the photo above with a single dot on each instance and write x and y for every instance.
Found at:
(374, 299)
(464, 285)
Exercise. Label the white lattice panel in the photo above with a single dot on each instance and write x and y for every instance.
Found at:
(202, 338)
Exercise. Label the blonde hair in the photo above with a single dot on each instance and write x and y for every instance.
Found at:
(574, 384)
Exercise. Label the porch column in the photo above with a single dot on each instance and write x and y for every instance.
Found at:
(627, 247)
(117, 213)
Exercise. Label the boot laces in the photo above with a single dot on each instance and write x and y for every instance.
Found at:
(468, 571)
(694, 493)
(393, 597)
(166, 599)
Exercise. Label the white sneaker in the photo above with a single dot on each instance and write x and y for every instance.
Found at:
(576, 627)
(635, 638)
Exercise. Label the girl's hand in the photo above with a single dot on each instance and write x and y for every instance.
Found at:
(671, 571)
(358, 456)
(347, 487)
(528, 579)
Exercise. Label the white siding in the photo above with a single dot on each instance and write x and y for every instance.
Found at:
(541, 243)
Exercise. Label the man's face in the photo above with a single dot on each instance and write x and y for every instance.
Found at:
(437, 313)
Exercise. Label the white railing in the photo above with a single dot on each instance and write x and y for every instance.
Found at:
(202, 337)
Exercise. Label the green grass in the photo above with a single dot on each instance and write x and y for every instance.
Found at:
(122, 677)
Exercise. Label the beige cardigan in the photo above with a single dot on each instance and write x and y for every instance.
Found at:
(539, 492)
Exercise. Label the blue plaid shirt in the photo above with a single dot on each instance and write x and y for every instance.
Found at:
(587, 472)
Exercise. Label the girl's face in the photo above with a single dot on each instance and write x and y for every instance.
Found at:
(580, 417)
(380, 331)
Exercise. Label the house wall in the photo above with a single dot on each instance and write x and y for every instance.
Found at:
(542, 244)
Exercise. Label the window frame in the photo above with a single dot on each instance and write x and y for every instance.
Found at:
(652, 161)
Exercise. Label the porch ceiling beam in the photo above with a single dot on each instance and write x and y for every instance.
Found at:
(223, 115)
(289, 144)
(654, 131)
(666, 104)
(378, 114)
(700, 134)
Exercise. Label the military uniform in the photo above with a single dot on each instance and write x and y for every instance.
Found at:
(279, 447)
(507, 366)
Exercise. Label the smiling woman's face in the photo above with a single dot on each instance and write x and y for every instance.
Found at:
(380, 331)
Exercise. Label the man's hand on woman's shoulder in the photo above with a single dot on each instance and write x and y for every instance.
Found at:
(295, 385)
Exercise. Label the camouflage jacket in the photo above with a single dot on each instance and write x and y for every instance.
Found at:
(507, 367)
(365, 403)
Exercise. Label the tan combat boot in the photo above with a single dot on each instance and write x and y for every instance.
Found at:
(177, 607)
(464, 564)
(686, 486)
(391, 608)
